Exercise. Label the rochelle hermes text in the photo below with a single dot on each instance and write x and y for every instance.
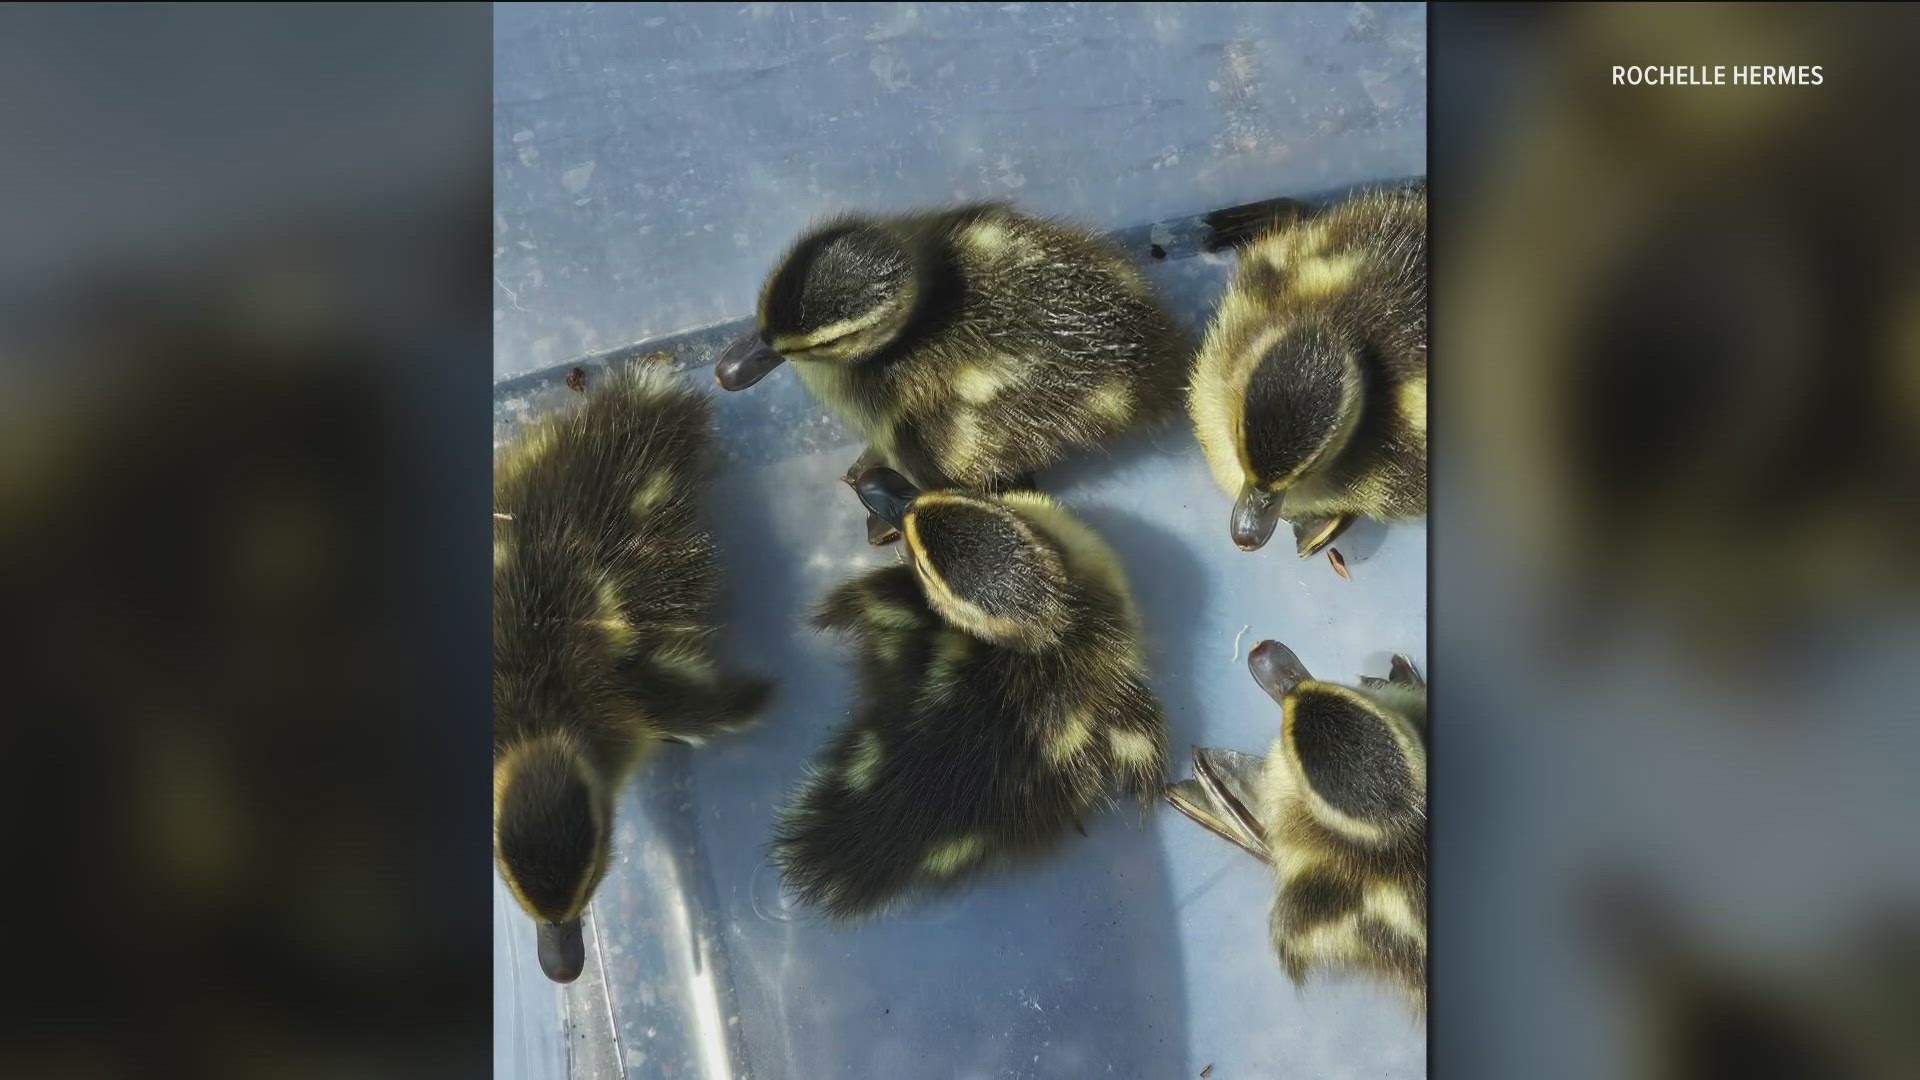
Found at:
(1717, 75)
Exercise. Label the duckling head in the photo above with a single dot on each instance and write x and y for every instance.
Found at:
(1299, 408)
(840, 296)
(1358, 763)
(988, 567)
(551, 842)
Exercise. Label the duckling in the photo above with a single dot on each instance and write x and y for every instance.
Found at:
(1339, 807)
(1002, 697)
(603, 593)
(1309, 394)
(970, 347)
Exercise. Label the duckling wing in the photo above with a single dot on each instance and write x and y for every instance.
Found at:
(877, 606)
(688, 700)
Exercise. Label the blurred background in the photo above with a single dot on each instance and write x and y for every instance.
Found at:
(243, 470)
(1676, 594)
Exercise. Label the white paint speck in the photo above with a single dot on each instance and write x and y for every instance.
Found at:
(576, 178)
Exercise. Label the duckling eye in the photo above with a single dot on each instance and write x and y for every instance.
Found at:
(793, 351)
(843, 339)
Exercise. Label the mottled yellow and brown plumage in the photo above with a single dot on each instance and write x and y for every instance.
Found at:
(1002, 696)
(603, 618)
(1339, 808)
(971, 346)
(1309, 394)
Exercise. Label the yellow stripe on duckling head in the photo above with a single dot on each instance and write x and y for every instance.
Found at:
(788, 344)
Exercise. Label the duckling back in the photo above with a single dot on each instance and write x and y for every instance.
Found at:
(1312, 377)
(604, 573)
(1344, 804)
(1027, 339)
(966, 752)
(604, 585)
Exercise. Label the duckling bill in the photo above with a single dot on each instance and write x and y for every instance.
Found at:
(1002, 697)
(970, 347)
(1338, 807)
(1309, 393)
(604, 584)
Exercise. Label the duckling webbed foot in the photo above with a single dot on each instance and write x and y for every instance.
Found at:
(1310, 535)
(1221, 796)
(880, 532)
(1402, 673)
(868, 459)
(893, 491)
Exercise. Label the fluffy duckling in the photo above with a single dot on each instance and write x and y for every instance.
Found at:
(1309, 394)
(1002, 697)
(1339, 807)
(603, 593)
(970, 347)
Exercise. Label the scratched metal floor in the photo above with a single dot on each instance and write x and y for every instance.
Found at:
(1139, 951)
